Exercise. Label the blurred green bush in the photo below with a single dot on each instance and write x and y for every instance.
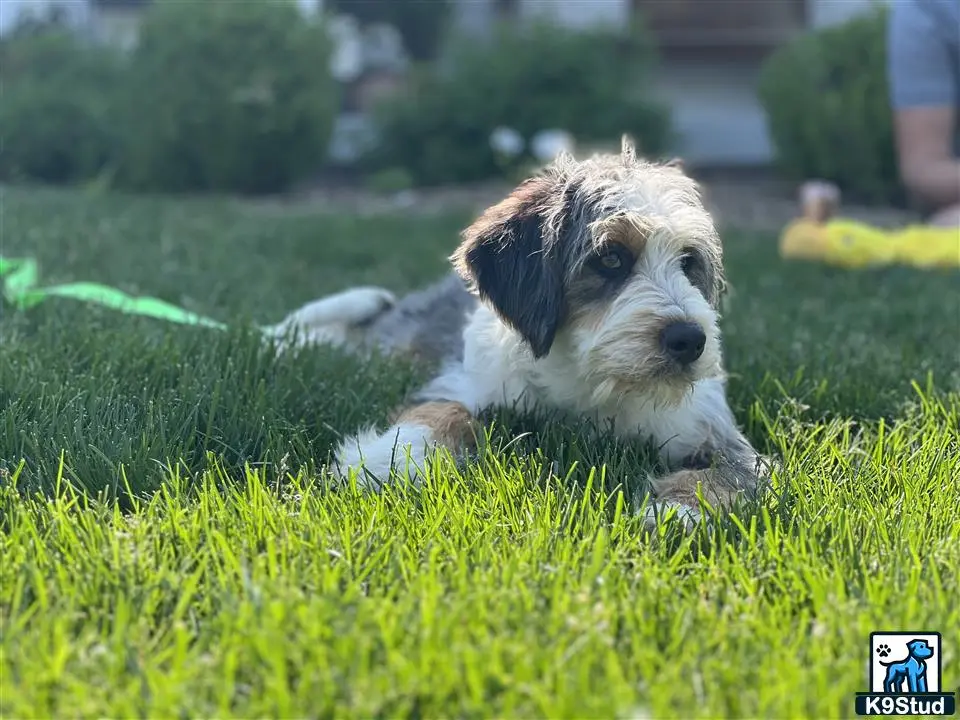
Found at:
(227, 96)
(56, 109)
(594, 84)
(827, 105)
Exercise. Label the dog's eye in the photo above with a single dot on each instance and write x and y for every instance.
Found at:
(613, 261)
(689, 264)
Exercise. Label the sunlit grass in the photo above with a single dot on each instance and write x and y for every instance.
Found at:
(169, 547)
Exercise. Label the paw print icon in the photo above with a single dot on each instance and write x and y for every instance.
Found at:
(883, 650)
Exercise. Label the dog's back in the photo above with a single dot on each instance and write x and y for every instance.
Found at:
(426, 324)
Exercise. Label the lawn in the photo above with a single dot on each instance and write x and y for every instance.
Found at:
(169, 549)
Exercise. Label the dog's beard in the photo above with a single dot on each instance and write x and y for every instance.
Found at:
(612, 376)
(616, 391)
(621, 357)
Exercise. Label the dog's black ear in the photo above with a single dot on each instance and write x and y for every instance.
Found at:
(506, 259)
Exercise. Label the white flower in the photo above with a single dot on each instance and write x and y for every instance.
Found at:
(308, 8)
(383, 48)
(346, 61)
(547, 144)
(506, 141)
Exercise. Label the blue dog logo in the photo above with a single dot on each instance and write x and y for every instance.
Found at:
(905, 676)
(911, 671)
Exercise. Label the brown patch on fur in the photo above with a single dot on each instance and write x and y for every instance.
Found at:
(585, 315)
(452, 424)
(714, 484)
(629, 229)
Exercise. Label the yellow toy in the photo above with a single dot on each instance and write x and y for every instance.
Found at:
(851, 244)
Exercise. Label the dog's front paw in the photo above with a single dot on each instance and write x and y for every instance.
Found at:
(767, 466)
(353, 458)
(662, 512)
(377, 458)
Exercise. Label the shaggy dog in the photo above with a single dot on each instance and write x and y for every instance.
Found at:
(591, 289)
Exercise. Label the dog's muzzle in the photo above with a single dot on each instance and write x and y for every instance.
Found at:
(683, 342)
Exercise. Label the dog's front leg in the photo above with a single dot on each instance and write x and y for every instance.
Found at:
(415, 433)
(720, 485)
(917, 681)
(710, 458)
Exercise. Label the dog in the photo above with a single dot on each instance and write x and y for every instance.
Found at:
(591, 289)
(913, 669)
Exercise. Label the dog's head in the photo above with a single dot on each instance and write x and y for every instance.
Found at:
(920, 649)
(612, 261)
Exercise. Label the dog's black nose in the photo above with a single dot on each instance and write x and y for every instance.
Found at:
(683, 341)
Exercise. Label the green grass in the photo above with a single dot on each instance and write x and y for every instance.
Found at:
(169, 548)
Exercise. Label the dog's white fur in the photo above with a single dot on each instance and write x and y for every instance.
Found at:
(334, 319)
(604, 359)
(498, 371)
